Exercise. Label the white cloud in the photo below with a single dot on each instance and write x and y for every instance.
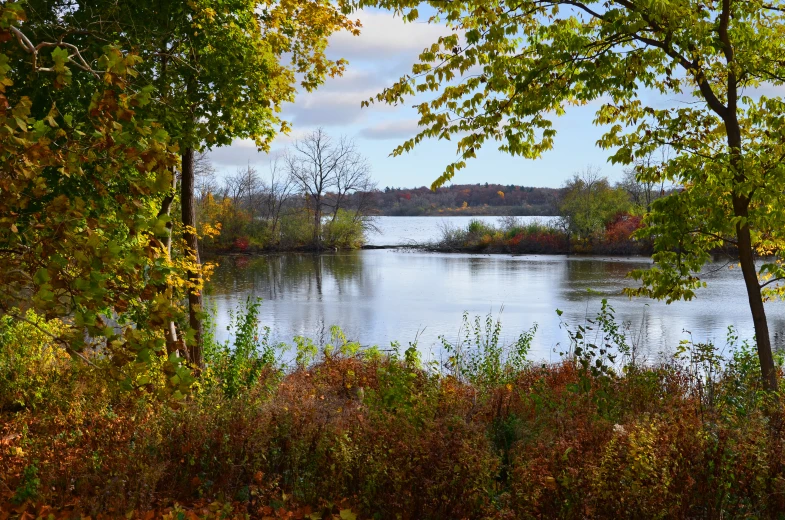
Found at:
(239, 153)
(384, 36)
(243, 151)
(338, 101)
(395, 129)
(385, 50)
(329, 107)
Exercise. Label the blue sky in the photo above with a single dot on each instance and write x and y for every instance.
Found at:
(384, 51)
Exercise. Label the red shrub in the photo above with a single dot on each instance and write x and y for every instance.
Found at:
(538, 242)
(241, 243)
(622, 227)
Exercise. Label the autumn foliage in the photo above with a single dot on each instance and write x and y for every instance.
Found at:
(358, 433)
(513, 236)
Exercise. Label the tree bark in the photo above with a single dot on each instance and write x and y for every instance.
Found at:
(170, 333)
(755, 297)
(317, 223)
(192, 244)
(166, 206)
(741, 204)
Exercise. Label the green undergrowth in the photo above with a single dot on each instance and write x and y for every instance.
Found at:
(335, 430)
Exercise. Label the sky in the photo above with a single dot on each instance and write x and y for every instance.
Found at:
(384, 51)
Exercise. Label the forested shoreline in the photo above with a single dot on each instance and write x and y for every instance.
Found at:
(250, 214)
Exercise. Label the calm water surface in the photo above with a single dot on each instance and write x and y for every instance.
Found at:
(378, 296)
(421, 230)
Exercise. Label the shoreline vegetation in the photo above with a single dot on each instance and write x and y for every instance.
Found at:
(509, 236)
(254, 217)
(512, 236)
(345, 432)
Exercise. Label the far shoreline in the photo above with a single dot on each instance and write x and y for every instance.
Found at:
(427, 248)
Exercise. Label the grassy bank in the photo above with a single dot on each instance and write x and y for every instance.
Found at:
(344, 432)
(511, 235)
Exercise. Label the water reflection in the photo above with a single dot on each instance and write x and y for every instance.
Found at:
(381, 296)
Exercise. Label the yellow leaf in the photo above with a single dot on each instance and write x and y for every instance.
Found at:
(346, 514)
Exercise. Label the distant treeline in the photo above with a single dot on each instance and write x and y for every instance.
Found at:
(466, 199)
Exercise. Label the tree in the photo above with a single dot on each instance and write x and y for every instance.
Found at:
(531, 60)
(317, 164)
(236, 80)
(84, 170)
(589, 202)
(248, 185)
(642, 188)
(640, 193)
(204, 173)
(280, 190)
(221, 70)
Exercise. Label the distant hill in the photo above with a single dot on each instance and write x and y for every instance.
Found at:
(465, 199)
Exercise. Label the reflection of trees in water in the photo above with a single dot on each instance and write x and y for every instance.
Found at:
(271, 276)
(354, 291)
(478, 265)
(604, 276)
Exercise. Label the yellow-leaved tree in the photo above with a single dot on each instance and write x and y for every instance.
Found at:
(208, 72)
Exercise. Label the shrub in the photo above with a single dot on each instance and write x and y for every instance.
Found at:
(479, 358)
(346, 231)
(241, 243)
(239, 366)
(32, 364)
(479, 228)
(512, 236)
(296, 229)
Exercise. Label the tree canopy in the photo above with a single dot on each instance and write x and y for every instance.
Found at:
(79, 193)
(98, 102)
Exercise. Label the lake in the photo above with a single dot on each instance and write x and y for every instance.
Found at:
(421, 230)
(379, 296)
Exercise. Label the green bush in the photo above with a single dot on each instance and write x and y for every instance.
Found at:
(480, 228)
(346, 231)
(238, 366)
(296, 229)
(33, 365)
(478, 356)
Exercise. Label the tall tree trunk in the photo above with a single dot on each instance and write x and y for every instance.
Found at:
(741, 203)
(170, 333)
(317, 224)
(755, 297)
(192, 243)
(166, 206)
